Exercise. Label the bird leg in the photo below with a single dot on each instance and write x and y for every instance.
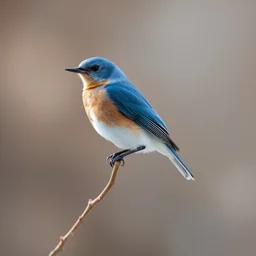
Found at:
(119, 156)
(116, 154)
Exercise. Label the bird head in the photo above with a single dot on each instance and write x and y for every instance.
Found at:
(98, 71)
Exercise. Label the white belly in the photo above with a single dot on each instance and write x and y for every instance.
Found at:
(124, 138)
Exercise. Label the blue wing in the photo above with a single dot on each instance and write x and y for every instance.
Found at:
(131, 103)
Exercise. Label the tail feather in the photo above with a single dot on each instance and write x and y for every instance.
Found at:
(182, 168)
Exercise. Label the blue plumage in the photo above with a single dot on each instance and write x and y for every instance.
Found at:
(131, 103)
(180, 164)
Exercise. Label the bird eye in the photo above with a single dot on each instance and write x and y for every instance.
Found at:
(95, 68)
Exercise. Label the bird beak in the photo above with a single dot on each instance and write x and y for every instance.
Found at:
(76, 70)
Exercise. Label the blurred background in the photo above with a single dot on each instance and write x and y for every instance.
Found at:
(195, 61)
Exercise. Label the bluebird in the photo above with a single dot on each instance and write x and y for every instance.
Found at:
(120, 113)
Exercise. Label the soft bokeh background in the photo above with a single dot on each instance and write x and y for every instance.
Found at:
(195, 62)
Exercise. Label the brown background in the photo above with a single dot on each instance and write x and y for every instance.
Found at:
(195, 62)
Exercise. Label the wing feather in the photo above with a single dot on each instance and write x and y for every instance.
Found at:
(131, 103)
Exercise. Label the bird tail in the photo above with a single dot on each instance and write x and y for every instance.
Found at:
(182, 168)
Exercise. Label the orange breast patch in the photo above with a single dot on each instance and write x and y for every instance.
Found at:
(97, 102)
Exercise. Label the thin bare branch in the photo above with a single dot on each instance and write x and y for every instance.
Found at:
(90, 205)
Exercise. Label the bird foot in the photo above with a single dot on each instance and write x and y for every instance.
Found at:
(119, 156)
(115, 158)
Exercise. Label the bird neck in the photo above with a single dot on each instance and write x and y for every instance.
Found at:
(89, 83)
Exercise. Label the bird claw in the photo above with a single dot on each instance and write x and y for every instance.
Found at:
(110, 157)
(113, 158)
(112, 162)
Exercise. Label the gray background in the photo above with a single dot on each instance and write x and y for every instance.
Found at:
(195, 62)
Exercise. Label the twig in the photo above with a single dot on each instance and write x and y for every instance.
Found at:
(90, 205)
